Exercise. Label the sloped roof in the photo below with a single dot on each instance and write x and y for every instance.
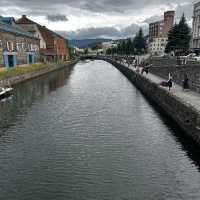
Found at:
(48, 36)
(7, 20)
(24, 20)
(44, 30)
(6, 25)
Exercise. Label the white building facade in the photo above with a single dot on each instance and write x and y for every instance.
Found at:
(108, 45)
(157, 46)
(196, 27)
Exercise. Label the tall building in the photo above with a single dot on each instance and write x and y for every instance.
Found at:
(53, 47)
(196, 28)
(168, 22)
(158, 33)
(156, 30)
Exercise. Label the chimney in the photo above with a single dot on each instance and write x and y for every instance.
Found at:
(23, 16)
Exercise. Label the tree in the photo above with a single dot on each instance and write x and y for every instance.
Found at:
(108, 51)
(139, 42)
(123, 47)
(179, 37)
(129, 46)
(86, 51)
(172, 39)
(184, 35)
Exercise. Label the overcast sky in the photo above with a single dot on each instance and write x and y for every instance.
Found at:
(95, 18)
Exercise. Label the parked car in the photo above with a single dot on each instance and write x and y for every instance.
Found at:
(195, 58)
(191, 55)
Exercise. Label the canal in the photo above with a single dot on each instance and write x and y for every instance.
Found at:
(87, 133)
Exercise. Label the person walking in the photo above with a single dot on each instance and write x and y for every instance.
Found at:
(146, 68)
(185, 83)
(169, 82)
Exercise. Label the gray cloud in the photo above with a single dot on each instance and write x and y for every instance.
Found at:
(153, 19)
(56, 18)
(103, 32)
(187, 9)
(112, 7)
(90, 5)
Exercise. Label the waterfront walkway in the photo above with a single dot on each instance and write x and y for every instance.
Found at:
(188, 97)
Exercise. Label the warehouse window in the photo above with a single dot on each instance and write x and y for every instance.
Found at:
(1, 44)
(10, 46)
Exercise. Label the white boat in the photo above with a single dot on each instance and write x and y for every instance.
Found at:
(5, 92)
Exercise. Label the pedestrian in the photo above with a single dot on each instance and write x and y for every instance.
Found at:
(146, 69)
(185, 83)
(137, 69)
(142, 71)
(169, 82)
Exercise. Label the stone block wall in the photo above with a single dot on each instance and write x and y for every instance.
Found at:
(183, 114)
(178, 72)
(163, 61)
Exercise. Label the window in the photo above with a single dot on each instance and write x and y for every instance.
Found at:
(23, 47)
(32, 47)
(28, 47)
(1, 44)
(19, 47)
(10, 46)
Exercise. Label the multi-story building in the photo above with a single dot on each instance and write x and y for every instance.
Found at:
(158, 33)
(53, 47)
(157, 46)
(156, 30)
(196, 28)
(17, 46)
(108, 45)
(168, 22)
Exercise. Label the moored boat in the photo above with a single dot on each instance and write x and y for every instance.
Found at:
(5, 92)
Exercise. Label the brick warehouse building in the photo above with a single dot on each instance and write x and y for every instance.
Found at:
(53, 47)
(17, 46)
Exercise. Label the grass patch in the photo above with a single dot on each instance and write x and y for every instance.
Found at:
(11, 72)
(19, 70)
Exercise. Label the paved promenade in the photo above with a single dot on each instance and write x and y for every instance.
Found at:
(188, 97)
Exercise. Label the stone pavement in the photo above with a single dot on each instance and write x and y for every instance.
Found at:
(188, 97)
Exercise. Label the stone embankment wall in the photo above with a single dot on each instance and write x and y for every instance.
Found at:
(183, 114)
(30, 75)
(178, 72)
(163, 61)
(168, 61)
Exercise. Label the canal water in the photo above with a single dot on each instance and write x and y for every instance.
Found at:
(87, 133)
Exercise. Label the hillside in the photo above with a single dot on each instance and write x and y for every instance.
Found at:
(84, 43)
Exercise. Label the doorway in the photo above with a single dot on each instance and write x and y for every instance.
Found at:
(10, 61)
(30, 59)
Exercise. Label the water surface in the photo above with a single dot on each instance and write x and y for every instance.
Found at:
(87, 133)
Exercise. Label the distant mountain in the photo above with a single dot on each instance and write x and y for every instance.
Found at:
(84, 43)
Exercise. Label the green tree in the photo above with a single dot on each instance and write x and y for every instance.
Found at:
(123, 47)
(86, 51)
(139, 42)
(179, 37)
(108, 51)
(128, 46)
(172, 39)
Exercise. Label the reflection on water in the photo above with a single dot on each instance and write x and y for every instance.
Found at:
(87, 133)
(26, 94)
